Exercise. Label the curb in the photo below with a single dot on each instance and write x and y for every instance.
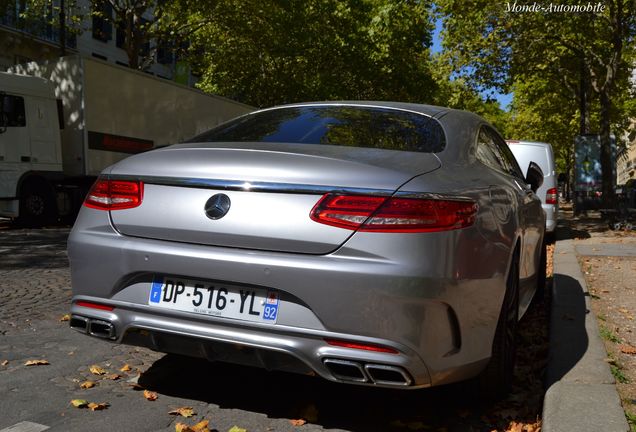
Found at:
(581, 393)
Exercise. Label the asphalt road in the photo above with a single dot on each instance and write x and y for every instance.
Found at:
(35, 294)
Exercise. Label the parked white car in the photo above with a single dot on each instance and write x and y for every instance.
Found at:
(541, 154)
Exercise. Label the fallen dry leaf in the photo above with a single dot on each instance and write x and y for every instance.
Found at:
(79, 403)
(202, 426)
(5, 362)
(87, 384)
(151, 396)
(113, 377)
(183, 412)
(36, 362)
(298, 422)
(237, 429)
(627, 349)
(97, 370)
(515, 427)
(65, 317)
(98, 406)
(182, 427)
(125, 368)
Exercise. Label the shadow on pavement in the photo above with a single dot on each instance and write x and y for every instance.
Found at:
(569, 341)
(27, 248)
(284, 395)
(580, 226)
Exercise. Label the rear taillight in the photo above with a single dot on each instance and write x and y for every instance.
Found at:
(391, 214)
(551, 196)
(92, 305)
(115, 194)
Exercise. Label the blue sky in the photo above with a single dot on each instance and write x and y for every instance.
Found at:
(503, 99)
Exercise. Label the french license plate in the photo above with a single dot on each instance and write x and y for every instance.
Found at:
(247, 304)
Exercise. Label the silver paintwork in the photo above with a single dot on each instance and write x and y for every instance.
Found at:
(433, 297)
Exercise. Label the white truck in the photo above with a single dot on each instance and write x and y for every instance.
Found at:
(62, 122)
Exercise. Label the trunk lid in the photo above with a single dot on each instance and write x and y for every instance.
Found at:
(272, 189)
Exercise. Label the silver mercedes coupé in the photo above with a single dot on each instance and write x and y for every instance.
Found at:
(375, 243)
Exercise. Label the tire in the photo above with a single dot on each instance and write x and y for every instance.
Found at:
(37, 205)
(495, 382)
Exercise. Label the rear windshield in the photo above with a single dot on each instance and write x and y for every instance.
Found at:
(354, 126)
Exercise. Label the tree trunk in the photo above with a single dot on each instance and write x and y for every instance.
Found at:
(584, 100)
(607, 162)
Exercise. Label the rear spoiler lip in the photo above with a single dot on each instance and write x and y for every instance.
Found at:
(250, 186)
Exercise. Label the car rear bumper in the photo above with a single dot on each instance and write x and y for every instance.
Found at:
(438, 312)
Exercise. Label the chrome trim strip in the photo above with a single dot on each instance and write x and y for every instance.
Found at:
(432, 196)
(246, 186)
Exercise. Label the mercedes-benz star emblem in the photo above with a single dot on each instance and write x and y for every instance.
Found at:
(217, 206)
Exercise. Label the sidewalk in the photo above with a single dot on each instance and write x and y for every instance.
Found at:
(581, 393)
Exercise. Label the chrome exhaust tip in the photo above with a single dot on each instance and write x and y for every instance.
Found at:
(346, 370)
(79, 323)
(388, 375)
(101, 329)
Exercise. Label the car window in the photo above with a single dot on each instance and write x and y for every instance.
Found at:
(355, 126)
(510, 162)
(487, 152)
(491, 152)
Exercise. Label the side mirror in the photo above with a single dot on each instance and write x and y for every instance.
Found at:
(534, 176)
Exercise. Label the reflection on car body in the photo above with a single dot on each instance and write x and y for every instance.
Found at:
(375, 243)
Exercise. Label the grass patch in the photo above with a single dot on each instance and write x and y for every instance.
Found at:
(631, 419)
(617, 371)
(601, 317)
(608, 335)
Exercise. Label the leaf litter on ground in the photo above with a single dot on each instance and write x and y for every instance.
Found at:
(183, 412)
(151, 396)
(97, 370)
(202, 426)
(87, 384)
(40, 362)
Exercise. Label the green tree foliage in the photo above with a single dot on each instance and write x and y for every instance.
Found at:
(459, 94)
(149, 24)
(553, 50)
(266, 52)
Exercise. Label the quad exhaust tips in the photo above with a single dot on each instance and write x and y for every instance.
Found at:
(370, 373)
(94, 327)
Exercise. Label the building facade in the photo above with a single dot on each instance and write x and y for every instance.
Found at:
(30, 37)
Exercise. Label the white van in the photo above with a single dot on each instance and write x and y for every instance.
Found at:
(541, 154)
